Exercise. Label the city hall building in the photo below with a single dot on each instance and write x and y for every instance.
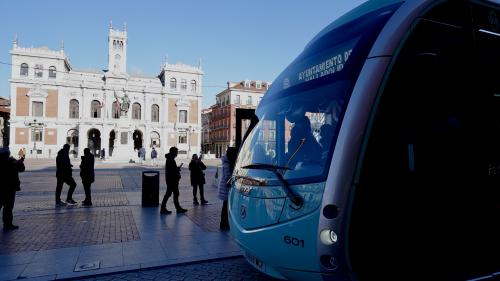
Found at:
(53, 103)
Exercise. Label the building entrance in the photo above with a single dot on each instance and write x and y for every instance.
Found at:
(94, 141)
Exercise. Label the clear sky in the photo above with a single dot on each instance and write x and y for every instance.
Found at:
(235, 39)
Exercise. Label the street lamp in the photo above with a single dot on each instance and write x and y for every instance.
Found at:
(35, 127)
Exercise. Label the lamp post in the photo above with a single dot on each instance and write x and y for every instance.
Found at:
(35, 127)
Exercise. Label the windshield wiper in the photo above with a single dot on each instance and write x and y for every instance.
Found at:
(295, 198)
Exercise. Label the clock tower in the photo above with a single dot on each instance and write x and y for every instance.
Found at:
(117, 50)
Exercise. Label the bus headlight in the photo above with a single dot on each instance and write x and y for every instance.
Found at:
(328, 237)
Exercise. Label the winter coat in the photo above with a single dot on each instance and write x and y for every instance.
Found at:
(226, 175)
(63, 165)
(87, 169)
(172, 172)
(11, 169)
(197, 175)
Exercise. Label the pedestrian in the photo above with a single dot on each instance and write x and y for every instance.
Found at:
(172, 177)
(64, 175)
(154, 155)
(228, 162)
(196, 167)
(143, 154)
(10, 168)
(21, 153)
(103, 154)
(87, 175)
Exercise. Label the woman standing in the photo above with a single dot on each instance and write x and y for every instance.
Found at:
(197, 178)
(87, 175)
(228, 162)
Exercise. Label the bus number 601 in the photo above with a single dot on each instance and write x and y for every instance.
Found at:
(293, 241)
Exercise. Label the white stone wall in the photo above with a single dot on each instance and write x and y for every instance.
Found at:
(86, 86)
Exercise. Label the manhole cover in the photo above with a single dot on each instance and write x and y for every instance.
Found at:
(87, 266)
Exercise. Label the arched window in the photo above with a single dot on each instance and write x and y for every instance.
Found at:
(95, 109)
(24, 69)
(155, 113)
(173, 83)
(136, 111)
(74, 109)
(193, 86)
(183, 85)
(52, 72)
(116, 110)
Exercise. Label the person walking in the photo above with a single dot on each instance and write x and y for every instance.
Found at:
(10, 185)
(172, 177)
(228, 162)
(196, 167)
(64, 175)
(154, 155)
(21, 153)
(87, 175)
(103, 154)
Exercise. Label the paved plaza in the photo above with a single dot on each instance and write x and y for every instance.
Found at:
(117, 234)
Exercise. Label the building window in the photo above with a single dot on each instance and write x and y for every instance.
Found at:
(136, 111)
(74, 109)
(95, 109)
(52, 72)
(38, 71)
(155, 113)
(173, 83)
(182, 139)
(116, 110)
(193, 86)
(249, 100)
(24, 69)
(183, 85)
(37, 135)
(37, 108)
(237, 100)
(182, 116)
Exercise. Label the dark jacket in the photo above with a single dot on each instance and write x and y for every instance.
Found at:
(172, 172)
(11, 168)
(154, 154)
(63, 164)
(197, 175)
(87, 168)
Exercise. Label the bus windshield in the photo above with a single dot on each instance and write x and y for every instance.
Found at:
(300, 116)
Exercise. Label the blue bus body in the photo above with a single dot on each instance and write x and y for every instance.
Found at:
(302, 170)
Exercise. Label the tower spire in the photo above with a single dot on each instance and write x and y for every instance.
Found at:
(62, 45)
(110, 24)
(15, 41)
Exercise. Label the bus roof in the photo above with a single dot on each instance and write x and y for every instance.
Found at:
(360, 10)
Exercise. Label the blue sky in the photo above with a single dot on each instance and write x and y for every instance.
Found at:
(235, 39)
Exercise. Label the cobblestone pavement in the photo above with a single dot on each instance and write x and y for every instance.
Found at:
(108, 221)
(69, 229)
(227, 269)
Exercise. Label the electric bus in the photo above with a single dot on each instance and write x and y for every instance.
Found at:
(375, 155)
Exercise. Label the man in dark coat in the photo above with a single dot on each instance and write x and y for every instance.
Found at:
(172, 177)
(64, 175)
(87, 174)
(196, 167)
(10, 168)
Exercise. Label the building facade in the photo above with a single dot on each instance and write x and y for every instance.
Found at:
(222, 129)
(54, 104)
(4, 121)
